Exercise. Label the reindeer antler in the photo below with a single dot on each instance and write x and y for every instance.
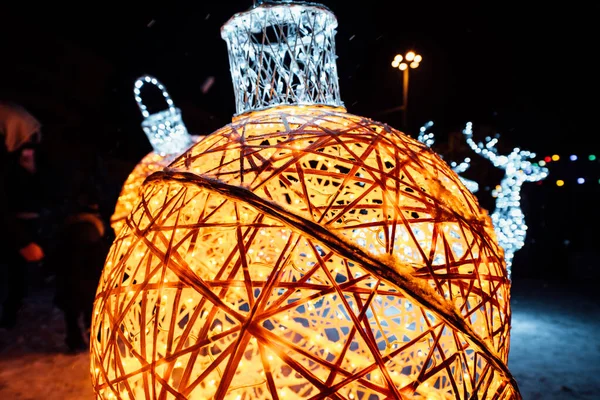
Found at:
(424, 137)
(462, 167)
(487, 150)
(429, 139)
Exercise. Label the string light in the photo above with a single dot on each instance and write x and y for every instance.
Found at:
(573, 157)
(580, 180)
(428, 139)
(508, 218)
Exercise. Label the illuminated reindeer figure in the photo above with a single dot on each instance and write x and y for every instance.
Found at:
(428, 139)
(508, 218)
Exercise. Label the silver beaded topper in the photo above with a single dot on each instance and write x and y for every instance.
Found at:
(283, 53)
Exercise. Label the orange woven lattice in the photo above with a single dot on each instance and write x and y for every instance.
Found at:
(303, 252)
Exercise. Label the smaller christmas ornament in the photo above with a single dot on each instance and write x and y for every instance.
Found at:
(508, 218)
(168, 136)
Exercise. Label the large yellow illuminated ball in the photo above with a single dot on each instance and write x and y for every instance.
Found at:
(302, 252)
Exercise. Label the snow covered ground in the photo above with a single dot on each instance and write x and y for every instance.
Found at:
(555, 351)
(555, 342)
(33, 359)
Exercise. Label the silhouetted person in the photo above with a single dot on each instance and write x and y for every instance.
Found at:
(20, 204)
(77, 262)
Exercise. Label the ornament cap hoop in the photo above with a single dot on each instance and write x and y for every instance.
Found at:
(283, 53)
(137, 87)
(165, 129)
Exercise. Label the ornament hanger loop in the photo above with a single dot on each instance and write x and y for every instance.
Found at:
(147, 79)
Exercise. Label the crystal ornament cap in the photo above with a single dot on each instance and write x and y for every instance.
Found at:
(165, 129)
(283, 53)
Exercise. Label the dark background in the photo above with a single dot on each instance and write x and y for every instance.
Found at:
(523, 70)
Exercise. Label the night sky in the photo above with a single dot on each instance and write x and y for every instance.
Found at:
(522, 70)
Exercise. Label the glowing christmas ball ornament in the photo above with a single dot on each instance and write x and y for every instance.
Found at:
(169, 138)
(301, 251)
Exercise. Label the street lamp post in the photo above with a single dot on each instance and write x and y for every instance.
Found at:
(404, 63)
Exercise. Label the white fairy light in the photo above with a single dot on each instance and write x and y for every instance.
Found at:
(508, 218)
(165, 129)
(428, 138)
